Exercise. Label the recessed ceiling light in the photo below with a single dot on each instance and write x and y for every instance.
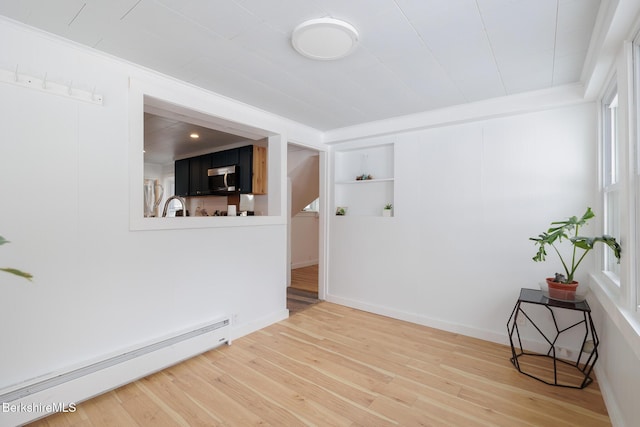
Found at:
(194, 136)
(324, 38)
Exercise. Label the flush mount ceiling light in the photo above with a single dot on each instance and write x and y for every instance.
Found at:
(324, 39)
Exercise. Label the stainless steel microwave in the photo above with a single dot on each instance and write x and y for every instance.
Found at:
(222, 180)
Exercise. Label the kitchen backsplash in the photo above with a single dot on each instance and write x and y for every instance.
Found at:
(207, 206)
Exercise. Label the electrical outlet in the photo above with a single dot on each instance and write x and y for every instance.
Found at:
(588, 346)
(234, 318)
(521, 321)
(564, 353)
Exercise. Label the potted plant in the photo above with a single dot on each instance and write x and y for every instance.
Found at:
(387, 209)
(563, 286)
(13, 270)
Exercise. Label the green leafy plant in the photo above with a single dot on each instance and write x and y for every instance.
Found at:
(562, 230)
(388, 206)
(13, 270)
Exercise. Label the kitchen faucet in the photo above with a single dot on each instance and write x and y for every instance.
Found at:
(180, 199)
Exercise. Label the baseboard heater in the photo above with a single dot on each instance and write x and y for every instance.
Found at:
(154, 360)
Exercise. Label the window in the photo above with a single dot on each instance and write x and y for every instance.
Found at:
(610, 179)
(635, 124)
(313, 206)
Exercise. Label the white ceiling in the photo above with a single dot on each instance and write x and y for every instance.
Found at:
(414, 55)
(167, 139)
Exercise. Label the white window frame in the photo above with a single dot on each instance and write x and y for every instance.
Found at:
(313, 206)
(635, 152)
(622, 303)
(610, 180)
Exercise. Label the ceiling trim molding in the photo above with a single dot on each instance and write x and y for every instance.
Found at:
(230, 108)
(617, 21)
(560, 96)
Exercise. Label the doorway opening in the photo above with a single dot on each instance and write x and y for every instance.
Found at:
(306, 244)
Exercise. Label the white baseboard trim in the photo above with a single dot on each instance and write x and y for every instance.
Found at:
(241, 330)
(28, 402)
(302, 264)
(492, 336)
(615, 414)
(64, 390)
(31, 405)
(499, 338)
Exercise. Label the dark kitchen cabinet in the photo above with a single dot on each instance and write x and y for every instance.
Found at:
(245, 163)
(224, 158)
(182, 177)
(198, 167)
(191, 174)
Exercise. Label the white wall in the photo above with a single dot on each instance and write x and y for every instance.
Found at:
(618, 368)
(64, 178)
(467, 198)
(616, 306)
(298, 155)
(304, 239)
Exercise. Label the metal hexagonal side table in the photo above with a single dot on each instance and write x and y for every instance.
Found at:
(549, 368)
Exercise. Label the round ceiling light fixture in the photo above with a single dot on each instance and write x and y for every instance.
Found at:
(324, 39)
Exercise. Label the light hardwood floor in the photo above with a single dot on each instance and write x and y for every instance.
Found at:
(332, 365)
(305, 278)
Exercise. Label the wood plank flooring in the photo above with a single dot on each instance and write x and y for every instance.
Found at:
(298, 300)
(303, 291)
(305, 278)
(331, 365)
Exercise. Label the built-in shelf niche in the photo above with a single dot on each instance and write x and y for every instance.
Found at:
(364, 197)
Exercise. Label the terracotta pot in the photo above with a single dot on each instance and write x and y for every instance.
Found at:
(562, 291)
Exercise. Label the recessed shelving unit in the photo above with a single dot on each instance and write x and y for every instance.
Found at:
(365, 181)
(364, 197)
